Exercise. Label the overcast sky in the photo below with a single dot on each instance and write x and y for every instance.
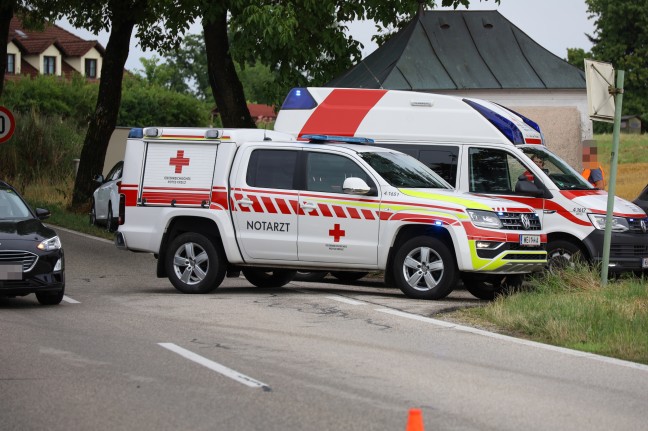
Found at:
(554, 24)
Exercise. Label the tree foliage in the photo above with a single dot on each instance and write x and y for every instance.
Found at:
(621, 38)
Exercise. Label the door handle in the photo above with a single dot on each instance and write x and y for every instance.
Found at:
(245, 202)
(308, 206)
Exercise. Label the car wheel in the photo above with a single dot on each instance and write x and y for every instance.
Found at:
(269, 278)
(50, 298)
(490, 287)
(194, 264)
(110, 223)
(348, 276)
(310, 275)
(93, 215)
(562, 254)
(424, 268)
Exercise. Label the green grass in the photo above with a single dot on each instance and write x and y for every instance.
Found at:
(571, 309)
(632, 148)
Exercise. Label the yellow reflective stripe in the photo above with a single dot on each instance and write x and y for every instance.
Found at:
(451, 212)
(437, 197)
(485, 264)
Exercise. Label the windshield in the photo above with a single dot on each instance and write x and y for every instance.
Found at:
(403, 171)
(562, 175)
(11, 206)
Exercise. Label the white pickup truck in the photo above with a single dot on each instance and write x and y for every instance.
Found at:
(207, 202)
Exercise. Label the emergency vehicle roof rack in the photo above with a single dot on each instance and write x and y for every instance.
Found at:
(327, 139)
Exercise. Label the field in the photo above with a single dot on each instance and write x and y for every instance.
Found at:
(632, 170)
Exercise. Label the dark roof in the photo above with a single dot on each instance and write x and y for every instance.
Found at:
(451, 50)
(33, 42)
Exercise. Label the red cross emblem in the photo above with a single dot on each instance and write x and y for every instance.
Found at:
(179, 161)
(336, 233)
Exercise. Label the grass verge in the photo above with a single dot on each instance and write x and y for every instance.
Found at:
(571, 309)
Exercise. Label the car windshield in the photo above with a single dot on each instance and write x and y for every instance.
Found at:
(403, 171)
(12, 206)
(562, 175)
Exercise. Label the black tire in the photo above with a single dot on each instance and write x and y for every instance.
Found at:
(563, 253)
(269, 278)
(424, 268)
(490, 287)
(194, 264)
(50, 298)
(348, 276)
(110, 222)
(310, 275)
(93, 215)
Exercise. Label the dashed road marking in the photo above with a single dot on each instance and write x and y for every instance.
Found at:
(346, 300)
(70, 300)
(215, 366)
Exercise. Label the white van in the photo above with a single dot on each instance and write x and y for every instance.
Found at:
(480, 147)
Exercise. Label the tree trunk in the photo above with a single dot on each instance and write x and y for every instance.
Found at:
(104, 119)
(6, 13)
(225, 83)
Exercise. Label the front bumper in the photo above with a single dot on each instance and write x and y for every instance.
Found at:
(627, 249)
(40, 278)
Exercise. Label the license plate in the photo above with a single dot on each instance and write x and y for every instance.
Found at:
(11, 272)
(529, 240)
(644, 262)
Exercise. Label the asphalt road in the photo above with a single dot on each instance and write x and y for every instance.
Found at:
(125, 351)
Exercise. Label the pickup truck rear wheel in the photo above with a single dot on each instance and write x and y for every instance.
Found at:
(269, 278)
(194, 264)
(424, 268)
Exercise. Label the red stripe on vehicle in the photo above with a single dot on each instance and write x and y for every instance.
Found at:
(368, 214)
(353, 213)
(326, 212)
(536, 141)
(220, 198)
(342, 112)
(281, 203)
(339, 211)
(269, 205)
(256, 206)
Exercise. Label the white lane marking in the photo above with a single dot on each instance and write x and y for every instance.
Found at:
(215, 366)
(56, 227)
(346, 300)
(70, 300)
(476, 331)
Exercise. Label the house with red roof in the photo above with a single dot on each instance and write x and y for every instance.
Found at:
(51, 51)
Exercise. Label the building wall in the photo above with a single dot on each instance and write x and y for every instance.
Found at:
(37, 60)
(13, 49)
(78, 63)
(561, 114)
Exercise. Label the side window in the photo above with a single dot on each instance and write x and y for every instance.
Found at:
(327, 172)
(493, 171)
(116, 172)
(442, 160)
(273, 169)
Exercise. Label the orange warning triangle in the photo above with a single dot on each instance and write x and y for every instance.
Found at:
(415, 420)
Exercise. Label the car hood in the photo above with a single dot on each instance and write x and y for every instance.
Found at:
(29, 229)
(596, 201)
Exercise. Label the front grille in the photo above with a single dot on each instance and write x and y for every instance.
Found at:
(636, 227)
(628, 250)
(24, 258)
(513, 221)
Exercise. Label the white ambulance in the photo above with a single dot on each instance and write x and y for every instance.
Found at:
(484, 148)
(208, 201)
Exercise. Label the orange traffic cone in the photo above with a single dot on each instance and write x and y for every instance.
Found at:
(415, 420)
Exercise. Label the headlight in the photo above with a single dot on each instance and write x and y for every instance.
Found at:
(485, 219)
(619, 224)
(50, 244)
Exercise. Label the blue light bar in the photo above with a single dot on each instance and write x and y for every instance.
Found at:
(320, 139)
(504, 125)
(299, 98)
(528, 121)
(136, 133)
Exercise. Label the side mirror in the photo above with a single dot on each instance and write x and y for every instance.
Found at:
(42, 213)
(355, 186)
(98, 179)
(526, 187)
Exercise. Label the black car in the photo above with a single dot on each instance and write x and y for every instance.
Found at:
(642, 199)
(31, 255)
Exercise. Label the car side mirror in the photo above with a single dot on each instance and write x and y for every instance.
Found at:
(98, 179)
(355, 186)
(42, 213)
(526, 187)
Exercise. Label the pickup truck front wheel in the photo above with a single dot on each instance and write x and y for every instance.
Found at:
(424, 269)
(194, 264)
(269, 278)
